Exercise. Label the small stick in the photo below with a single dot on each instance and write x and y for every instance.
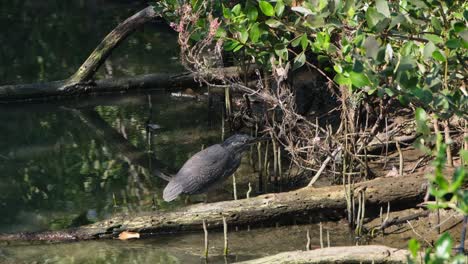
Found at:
(308, 240)
(280, 166)
(265, 163)
(386, 143)
(328, 238)
(414, 231)
(322, 168)
(225, 228)
(206, 238)
(447, 142)
(321, 235)
(417, 164)
(260, 170)
(400, 154)
(363, 212)
(275, 156)
(357, 231)
(234, 186)
(248, 191)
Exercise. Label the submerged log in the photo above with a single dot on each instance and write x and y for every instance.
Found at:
(357, 254)
(318, 203)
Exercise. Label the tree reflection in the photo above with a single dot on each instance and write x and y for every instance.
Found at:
(63, 165)
(48, 40)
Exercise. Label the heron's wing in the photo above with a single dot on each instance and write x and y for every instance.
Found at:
(205, 168)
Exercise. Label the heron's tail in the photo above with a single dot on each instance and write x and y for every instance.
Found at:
(172, 190)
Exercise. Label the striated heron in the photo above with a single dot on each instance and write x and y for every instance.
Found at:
(209, 167)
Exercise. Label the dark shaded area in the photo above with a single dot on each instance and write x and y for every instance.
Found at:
(48, 40)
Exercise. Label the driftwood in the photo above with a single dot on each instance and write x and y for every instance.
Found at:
(357, 254)
(317, 203)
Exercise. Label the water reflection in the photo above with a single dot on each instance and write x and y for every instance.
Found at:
(64, 166)
(186, 248)
(48, 40)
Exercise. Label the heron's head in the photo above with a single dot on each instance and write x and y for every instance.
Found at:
(240, 142)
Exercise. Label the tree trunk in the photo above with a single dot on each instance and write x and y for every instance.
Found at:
(326, 203)
(357, 254)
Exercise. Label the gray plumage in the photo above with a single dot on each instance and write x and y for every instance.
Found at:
(208, 167)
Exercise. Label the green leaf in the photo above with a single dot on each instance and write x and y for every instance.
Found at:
(236, 9)
(338, 68)
(299, 61)
(226, 12)
(359, 79)
(433, 38)
(304, 42)
(296, 41)
(255, 32)
(413, 246)
(376, 20)
(382, 7)
(281, 51)
(421, 121)
(459, 27)
(273, 23)
(438, 55)
(342, 80)
(453, 43)
(397, 20)
(231, 45)
(279, 8)
(435, 21)
(322, 41)
(238, 48)
(458, 179)
(302, 10)
(267, 8)
(443, 247)
(243, 36)
(252, 13)
(429, 48)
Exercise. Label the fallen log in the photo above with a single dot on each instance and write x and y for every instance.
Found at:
(155, 81)
(356, 254)
(318, 204)
(48, 90)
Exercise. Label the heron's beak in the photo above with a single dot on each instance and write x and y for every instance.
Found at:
(255, 140)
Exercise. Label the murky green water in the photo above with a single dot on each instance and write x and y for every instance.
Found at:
(69, 163)
(49, 39)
